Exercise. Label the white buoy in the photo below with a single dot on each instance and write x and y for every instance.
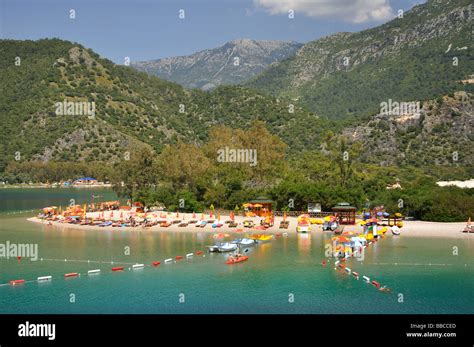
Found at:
(366, 279)
(93, 272)
(44, 278)
(189, 255)
(169, 260)
(137, 266)
(348, 270)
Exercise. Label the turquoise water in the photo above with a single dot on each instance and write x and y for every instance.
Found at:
(275, 271)
(14, 200)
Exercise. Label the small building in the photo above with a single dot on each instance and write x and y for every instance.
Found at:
(261, 206)
(85, 181)
(345, 213)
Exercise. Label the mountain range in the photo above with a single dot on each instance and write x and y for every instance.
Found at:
(232, 63)
(424, 53)
(302, 94)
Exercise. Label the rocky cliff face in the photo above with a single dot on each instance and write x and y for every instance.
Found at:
(441, 133)
(232, 63)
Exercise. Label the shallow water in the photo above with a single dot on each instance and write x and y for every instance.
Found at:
(288, 267)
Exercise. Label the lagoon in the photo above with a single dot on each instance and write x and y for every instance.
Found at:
(283, 276)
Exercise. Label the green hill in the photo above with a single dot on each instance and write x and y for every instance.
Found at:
(132, 109)
(409, 58)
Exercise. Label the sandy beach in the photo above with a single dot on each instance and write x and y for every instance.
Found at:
(409, 229)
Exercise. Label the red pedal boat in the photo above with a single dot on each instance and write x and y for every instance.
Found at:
(235, 260)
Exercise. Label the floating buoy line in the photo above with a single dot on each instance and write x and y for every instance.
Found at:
(341, 265)
(119, 268)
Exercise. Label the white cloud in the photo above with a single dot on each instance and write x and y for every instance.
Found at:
(356, 11)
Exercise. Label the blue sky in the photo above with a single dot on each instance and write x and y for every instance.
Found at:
(146, 29)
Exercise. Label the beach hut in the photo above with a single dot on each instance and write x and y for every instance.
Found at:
(261, 206)
(345, 212)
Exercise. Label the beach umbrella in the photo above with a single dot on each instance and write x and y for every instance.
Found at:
(202, 216)
(121, 215)
(210, 215)
(194, 215)
(177, 214)
(112, 214)
(232, 215)
(341, 239)
(218, 216)
(221, 235)
(284, 216)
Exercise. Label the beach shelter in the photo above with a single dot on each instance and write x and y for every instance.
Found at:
(346, 213)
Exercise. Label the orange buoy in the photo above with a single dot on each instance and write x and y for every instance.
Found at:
(15, 282)
(355, 273)
(71, 274)
(375, 283)
(118, 268)
(198, 252)
(155, 263)
(324, 263)
(342, 266)
(179, 257)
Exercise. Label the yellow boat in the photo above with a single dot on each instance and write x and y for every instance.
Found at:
(261, 237)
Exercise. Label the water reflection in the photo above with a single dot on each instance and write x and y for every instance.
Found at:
(304, 243)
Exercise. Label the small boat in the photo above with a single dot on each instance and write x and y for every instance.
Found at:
(395, 230)
(468, 227)
(237, 259)
(247, 242)
(203, 224)
(259, 238)
(303, 224)
(223, 247)
(105, 224)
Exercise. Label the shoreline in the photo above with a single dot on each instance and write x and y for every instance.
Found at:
(409, 229)
(45, 186)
